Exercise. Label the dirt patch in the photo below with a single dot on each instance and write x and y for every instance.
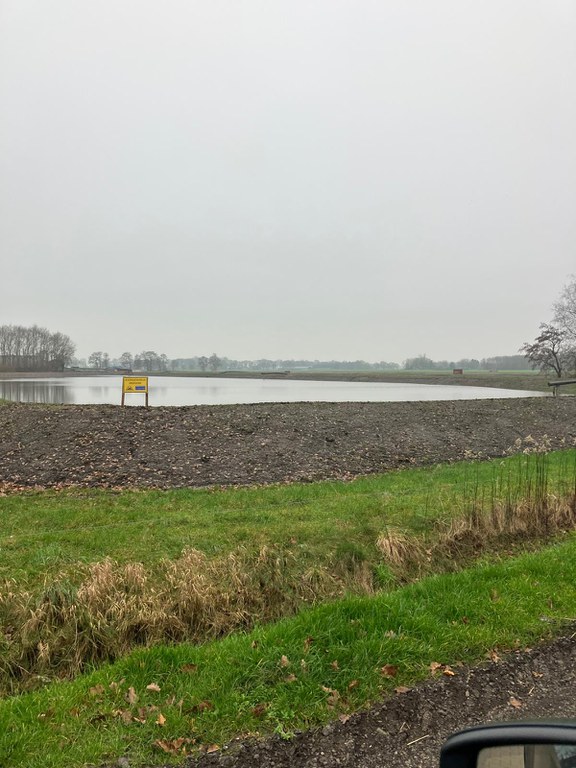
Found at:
(109, 446)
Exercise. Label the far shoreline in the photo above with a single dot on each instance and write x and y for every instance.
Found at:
(523, 380)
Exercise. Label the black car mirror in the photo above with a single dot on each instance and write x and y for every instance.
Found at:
(512, 745)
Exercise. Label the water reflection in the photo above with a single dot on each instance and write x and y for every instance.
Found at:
(183, 390)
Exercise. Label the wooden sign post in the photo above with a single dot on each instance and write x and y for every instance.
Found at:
(135, 385)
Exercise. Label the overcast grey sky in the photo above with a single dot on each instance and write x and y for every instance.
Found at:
(287, 178)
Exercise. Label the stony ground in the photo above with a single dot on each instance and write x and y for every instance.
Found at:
(50, 446)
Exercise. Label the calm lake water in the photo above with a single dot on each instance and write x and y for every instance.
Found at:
(207, 391)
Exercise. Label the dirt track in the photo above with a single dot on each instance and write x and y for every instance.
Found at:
(110, 446)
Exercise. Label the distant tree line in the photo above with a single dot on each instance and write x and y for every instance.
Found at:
(147, 361)
(215, 363)
(33, 349)
(153, 362)
(554, 349)
(501, 363)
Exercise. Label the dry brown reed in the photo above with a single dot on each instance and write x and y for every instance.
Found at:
(117, 607)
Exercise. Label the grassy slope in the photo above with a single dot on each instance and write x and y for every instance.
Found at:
(297, 673)
(45, 532)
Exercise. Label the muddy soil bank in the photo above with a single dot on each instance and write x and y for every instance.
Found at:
(109, 446)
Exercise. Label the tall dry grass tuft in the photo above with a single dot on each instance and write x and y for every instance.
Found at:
(400, 551)
(117, 607)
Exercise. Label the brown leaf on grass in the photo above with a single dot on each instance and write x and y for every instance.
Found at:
(259, 710)
(514, 702)
(493, 656)
(334, 664)
(307, 643)
(434, 667)
(189, 668)
(284, 661)
(96, 690)
(290, 679)
(333, 696)
(402, 689)
(353, 684)
(448, 671)
(160, 720)
(303, 665)
(153, 687)
(212, 748)
(389, 670)
(174, 746)
(124, 714)
(131, 696)
(203, 706)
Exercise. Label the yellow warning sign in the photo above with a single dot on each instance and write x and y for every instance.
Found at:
(135, 384)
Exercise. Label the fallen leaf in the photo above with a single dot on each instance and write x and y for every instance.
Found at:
(174, 746)
(131, 696)
(448, 671)
(334, 664)
(353, 684)
(212, 748)
(160, 720)
(434, 667)
(537, 674)
(153, 687)
(514, 702)
(189, 668)
(389, 670)
(96, 690)
(402, 689)
(259, 710)
(494, 657)
(284, 661)
(125, 715)
(290, 679)
(344, 718)
(307, 643)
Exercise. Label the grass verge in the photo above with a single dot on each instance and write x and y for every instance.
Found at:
(324, 663)
(90, 613)
(44, 533)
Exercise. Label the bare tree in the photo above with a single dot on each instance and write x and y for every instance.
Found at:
(550, 351)
(95, 360)
(565, 310)
(214, 363)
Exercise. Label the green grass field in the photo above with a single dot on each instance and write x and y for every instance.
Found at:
(306, 602)
(44, 532)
